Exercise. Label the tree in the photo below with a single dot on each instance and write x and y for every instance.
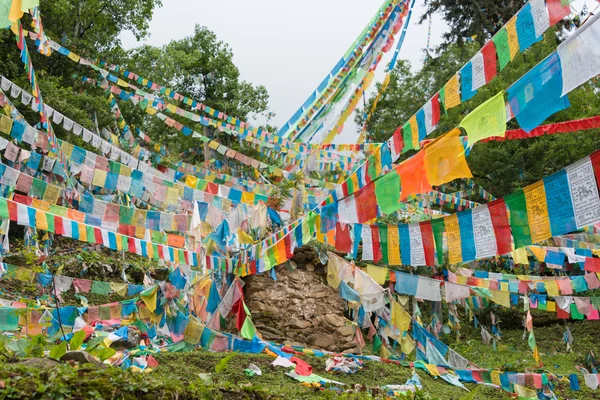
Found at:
(468, 18)
(95, 25)
(200, 67)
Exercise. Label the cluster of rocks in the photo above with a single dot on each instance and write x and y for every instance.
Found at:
(299, 308)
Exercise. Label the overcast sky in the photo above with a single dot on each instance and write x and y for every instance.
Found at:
(288, 47)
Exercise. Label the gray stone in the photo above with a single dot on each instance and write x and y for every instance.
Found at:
(82, 357)
(40, 363)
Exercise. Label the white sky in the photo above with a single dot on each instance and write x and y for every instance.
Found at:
(289, 47)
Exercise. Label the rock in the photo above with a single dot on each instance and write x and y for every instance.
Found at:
(133, 338)
(39, 362)
(82, 357)
(345, 330)
(299, 307)
(296, 323)
(322, 341)
(334, 320)
(353, 350)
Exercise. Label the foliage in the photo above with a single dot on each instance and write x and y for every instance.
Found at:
(58, 351)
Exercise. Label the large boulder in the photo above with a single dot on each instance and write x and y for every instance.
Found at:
(299, 307)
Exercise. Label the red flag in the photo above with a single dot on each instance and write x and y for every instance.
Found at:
(428, 243)
(58, 225)
(302, 368)
(212, 188)
(366, 203)
(98, 236)
(592, 264)
(489, 60)
(238, 308)
(499, 216)
(377, 256)
(557, 11)
(12, 210)
(435, 110)
(358, 338)
(595, 157)
(343, 241)
(398, 140)
(131, 245)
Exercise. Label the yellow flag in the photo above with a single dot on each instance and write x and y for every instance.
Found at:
(394, 246)
(537, 212)
(451, 93)
(378, 274)
(407, 344)
(400, 318)
(119, 288)
(500, 297)
(149, 298)
(445, 159)
(454, 242)
(513, 38)
(520, 256)
(538, 252)
(551, 289)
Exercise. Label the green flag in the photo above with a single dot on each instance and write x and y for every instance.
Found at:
(248, 331)
(502, 47)
(519, 222)
(387, 192)
(376, 344)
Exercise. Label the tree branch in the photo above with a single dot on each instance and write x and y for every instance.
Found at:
(84, 30)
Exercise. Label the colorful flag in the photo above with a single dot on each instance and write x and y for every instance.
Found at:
(487, 120)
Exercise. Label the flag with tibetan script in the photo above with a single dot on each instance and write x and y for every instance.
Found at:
(580, 55)
(538, 94)
(487, 120)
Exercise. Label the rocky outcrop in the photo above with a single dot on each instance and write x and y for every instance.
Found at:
(299, 308)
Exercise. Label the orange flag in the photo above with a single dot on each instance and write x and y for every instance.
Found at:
(413, 178)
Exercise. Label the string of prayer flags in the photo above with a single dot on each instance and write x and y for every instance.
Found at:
(487, 120)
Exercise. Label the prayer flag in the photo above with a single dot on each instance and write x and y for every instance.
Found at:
(537, 212)
(387, 192)
(537, 95)
(560, 206)
(526, 28)
(489, 60)
(580, 56)
(519, 222)
(444, 161)
(451, 93)
(413, 176)
(467, 239)
(487, 120)
(584, 192)
(454, 240)
(466, 82)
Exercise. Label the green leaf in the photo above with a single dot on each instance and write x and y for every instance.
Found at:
(19, 347)
(93, 343)
(105, 353)
(77, 340)
(58, 351)
(223, 363)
